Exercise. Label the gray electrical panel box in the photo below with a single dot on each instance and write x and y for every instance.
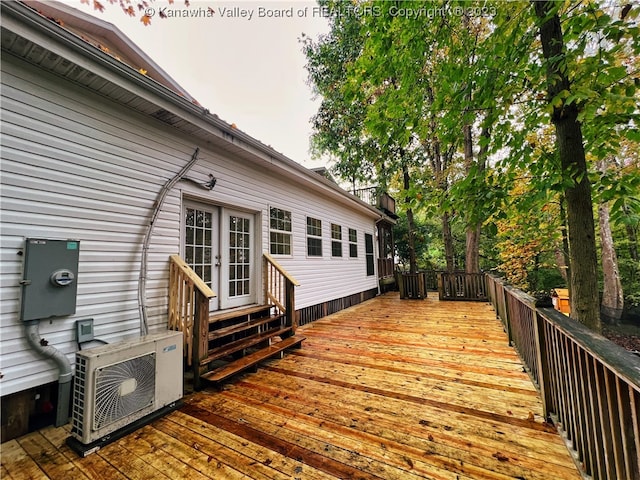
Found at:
(50, 282)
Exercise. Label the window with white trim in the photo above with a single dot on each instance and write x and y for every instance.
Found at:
(336, 240)
(279, 231)
(314, 237)
(353, 243)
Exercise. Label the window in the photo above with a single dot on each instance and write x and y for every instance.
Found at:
(353, 243)
(197, 244)
(280, 231)
(368, 246)
(336, 240)
(314, 237)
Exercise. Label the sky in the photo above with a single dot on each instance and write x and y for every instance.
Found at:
(245, 63)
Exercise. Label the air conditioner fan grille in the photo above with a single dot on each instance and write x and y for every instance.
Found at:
(124, 388)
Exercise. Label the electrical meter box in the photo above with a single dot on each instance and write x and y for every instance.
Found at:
(50, 283)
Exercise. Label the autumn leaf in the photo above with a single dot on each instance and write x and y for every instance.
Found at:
(130, 11)
(146, 19)
(186, 3)
(85, 2)
(142, 71)
(98, 6)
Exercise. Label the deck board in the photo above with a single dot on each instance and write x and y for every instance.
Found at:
(388, 389)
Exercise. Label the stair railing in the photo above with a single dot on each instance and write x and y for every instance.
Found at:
(279, 291)
(189, 299)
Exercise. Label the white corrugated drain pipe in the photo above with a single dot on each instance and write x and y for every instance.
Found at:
(142, 281)
(32, 330)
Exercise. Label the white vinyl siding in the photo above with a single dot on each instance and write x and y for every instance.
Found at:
(72, 168)
(75, 165)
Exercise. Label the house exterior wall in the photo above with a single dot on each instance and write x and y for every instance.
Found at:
(77, 166)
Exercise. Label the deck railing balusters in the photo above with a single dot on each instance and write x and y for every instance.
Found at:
(589, 386)
(280, 291)
(462, 286)
(189, 308)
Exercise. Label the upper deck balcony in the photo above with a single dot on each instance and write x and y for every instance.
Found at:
(380, 200)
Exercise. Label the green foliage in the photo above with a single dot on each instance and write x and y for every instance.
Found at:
(396, 92)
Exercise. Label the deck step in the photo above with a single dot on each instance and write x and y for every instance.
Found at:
(244, 325)
(238, 313)
(252, 359)
(241, 344)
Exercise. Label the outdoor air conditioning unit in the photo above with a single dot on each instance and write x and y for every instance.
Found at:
(122, 383)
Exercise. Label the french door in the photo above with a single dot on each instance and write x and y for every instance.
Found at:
(219, 247)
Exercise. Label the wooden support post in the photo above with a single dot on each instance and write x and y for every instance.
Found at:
(290, 301)
(201, 337)
(544, 376)
(506, 319)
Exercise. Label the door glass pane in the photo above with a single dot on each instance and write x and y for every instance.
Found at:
(198, 242)
(239, 256)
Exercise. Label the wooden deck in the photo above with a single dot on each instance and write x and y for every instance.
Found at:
(388, 389)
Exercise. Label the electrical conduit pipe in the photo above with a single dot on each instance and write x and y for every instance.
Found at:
(32, 330)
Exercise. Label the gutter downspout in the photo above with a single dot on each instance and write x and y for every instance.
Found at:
(32, 331)
(142, 280)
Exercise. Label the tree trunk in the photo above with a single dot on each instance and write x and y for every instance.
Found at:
(447, 239)
(411, 225)
(472, 244)
(612, 297)
(582, 245)
(472, 254)
(562, 264)
(633, 238)
(565, 262)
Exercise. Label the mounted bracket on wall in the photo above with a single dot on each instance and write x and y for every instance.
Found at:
(208, 185)
(84, 333)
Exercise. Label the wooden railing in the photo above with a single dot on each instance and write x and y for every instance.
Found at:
(189, 307)
(279, 291)
(373, 197)
(412, 285)
(589, 386)
(462, 286)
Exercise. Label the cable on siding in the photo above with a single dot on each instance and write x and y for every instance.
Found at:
(142, 280)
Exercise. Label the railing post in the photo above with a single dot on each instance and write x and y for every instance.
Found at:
(506, 319)
(290, 304)
(544, 379)
(200, 336)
